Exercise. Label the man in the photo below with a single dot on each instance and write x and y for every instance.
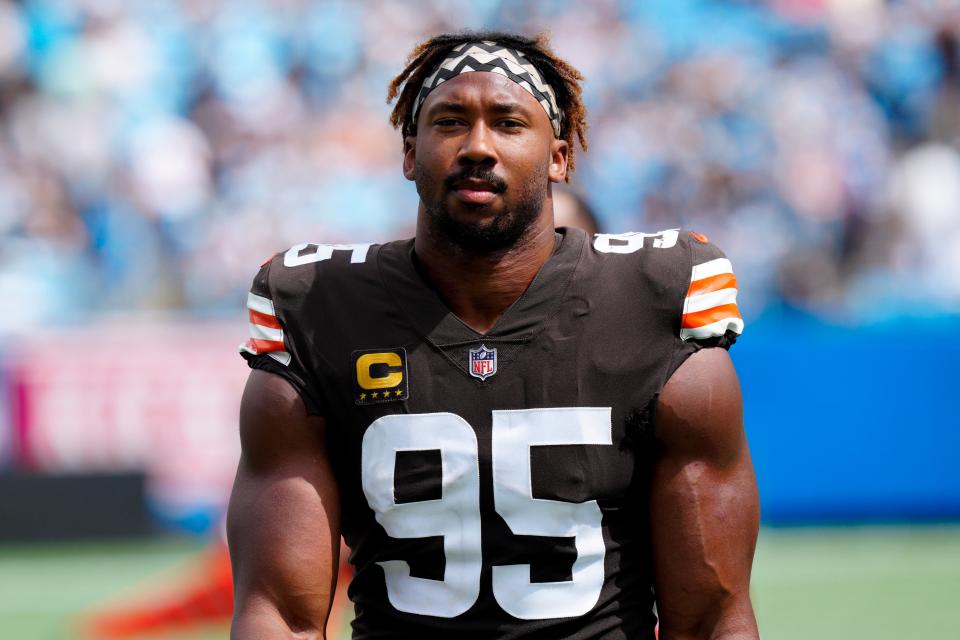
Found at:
(519, 432)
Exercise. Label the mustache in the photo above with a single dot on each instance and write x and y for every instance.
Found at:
(476, 173)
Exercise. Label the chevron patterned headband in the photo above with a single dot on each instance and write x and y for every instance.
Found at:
(493, 58)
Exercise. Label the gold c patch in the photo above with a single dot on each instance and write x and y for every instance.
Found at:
(380, 375)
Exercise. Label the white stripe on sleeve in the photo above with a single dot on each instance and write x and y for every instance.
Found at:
(710, 269)
(280, 356)
(260, 304)
(714, 329)
(705, 301)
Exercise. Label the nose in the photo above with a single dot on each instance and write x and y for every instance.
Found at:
(478, 146)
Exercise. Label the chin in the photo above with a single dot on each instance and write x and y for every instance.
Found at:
(482, 235)
(481, 228)
(478, 216)
(484, 214)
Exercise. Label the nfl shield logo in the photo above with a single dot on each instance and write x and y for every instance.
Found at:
(483, 362)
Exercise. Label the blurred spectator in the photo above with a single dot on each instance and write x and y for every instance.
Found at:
(571, 209)
(152, 153)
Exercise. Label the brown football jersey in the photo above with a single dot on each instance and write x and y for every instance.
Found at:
(494, 485)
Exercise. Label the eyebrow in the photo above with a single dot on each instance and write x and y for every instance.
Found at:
(509, 107)
(451, 106)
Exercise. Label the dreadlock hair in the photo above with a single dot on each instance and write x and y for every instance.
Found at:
(563, 77)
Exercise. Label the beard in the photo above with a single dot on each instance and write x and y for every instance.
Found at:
(487, 235)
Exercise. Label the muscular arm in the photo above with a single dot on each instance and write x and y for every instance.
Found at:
(704, 505)
(284, 519)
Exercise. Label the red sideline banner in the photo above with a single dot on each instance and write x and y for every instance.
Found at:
(158, 397)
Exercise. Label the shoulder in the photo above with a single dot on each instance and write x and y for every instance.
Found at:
(294, 291)
(297, 271)
(684, 272)
(666, 253)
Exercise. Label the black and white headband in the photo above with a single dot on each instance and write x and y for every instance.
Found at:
(493, 58)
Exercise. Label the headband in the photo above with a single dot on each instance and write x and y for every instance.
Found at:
(493, 58)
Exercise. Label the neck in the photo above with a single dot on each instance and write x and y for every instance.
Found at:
(479, 288)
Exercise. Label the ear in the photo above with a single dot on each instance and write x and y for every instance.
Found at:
(559, 149)
(409, 157)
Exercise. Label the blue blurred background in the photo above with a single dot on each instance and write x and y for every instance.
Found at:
(152, 153)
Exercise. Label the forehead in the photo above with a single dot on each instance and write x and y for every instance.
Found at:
(483, 89)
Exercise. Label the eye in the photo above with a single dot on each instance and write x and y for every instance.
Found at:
(510, 123)
(446, 122)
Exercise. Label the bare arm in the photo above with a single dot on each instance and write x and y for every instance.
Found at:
(704, 505)
(284, 518)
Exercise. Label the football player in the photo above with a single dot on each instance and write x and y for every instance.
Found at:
(521, 432)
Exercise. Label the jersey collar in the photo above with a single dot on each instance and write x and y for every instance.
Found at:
(431, 318)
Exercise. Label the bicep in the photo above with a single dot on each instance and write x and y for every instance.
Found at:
(704, 503)
(283, 521)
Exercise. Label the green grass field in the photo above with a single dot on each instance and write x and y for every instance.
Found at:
(871, 583)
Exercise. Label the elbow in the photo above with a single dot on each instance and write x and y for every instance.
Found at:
(265, 621)
(727, 616)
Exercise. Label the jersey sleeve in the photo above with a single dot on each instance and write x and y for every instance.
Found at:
(710, 316)
(270, 345)
(700, 291)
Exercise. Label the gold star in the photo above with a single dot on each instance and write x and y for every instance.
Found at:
(363, 396)
(374, 395)
(398, 393)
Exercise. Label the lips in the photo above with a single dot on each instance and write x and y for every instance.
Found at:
(476, 190)
(476, 196)
(473, 184)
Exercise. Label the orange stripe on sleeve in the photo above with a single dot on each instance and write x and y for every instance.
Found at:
(713, 283)
(709, 316)
(264, 320)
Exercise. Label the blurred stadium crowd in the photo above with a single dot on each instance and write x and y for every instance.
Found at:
(153, 153)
